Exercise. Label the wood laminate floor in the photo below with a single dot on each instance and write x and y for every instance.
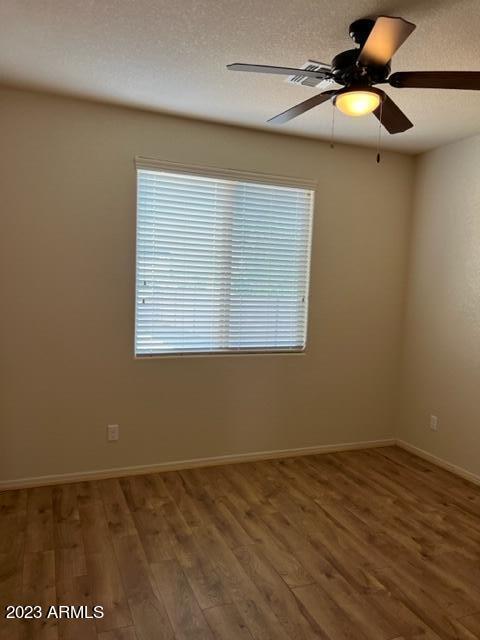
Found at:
(362, 545)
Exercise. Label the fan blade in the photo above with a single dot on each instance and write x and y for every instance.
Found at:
(298, 109)
(282, 71)
(436, 79)
(392, 117)
(387, 35)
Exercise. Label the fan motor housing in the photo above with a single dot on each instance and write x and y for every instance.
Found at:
(346, 70)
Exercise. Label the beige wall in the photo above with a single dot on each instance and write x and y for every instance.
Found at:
(67, 188)
(441, 373)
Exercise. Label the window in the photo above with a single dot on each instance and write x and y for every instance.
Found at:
(222, 261)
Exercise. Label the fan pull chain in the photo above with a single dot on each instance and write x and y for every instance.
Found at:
(379, 132)
(332, 133)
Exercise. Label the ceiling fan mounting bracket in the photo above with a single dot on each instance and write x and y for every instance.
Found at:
(360, 30)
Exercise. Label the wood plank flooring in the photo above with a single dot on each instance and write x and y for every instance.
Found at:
(362, 545)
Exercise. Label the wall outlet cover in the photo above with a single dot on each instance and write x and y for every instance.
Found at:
(113, 432)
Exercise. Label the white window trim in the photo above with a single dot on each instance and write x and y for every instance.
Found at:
(155, 164)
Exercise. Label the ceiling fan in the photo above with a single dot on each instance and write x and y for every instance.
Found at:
(360, 70)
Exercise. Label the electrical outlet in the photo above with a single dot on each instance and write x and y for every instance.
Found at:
(434, 423)
(113, 432)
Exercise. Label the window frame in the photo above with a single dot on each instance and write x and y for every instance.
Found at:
(153, 164)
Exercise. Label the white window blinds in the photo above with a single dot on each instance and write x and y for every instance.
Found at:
(222, 262)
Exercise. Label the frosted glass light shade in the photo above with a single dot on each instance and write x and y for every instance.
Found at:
(357, 103)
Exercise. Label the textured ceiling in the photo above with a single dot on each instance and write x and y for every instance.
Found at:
(170, 56)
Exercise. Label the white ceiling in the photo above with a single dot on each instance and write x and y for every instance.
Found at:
(170, 56)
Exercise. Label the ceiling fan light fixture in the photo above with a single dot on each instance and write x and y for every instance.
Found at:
(357, 102)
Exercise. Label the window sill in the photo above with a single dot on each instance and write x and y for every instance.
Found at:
(229, 354)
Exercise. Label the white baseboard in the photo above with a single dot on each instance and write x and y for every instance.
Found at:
(440, 462)
(116, 472)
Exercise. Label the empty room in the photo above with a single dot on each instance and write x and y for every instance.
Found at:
(240, 320)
